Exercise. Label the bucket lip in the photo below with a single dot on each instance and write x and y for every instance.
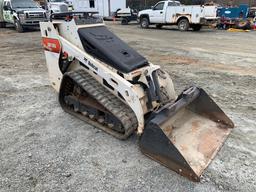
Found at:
(213, 156)
(190, 174)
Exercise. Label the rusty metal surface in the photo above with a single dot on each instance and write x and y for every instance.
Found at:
(197, 138)
(186, 135)
(157, 146)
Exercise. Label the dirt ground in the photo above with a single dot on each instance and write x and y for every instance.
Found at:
(44, 149)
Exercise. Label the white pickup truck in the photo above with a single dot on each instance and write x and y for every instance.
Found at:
(56, 6)
(173, 13)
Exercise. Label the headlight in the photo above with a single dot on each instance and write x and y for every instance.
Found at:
(70, 8)
(22, 16)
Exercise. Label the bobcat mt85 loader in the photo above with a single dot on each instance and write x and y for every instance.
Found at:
(106, 83)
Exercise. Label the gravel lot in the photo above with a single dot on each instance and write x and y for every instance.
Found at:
(44, 149)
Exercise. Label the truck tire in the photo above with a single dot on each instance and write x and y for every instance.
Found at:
(245, 25)
(2, 24)
(124, 21)
(183, 25)
(18, 26)
(159, 26)
(144, 22)
(197, 27)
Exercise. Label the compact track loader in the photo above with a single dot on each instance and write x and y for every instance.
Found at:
(103, 81)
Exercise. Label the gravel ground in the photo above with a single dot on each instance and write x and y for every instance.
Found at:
(44, 149)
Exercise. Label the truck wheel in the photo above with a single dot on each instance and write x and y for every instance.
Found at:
(183, 25)
(124, 21)
(144, 23)
(197, 27)
(2, 24)
(245, 25)
(18, 26)
(159, 26)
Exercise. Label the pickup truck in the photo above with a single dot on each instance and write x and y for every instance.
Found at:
(173, 13)
(22, 13)
(126, 15)
(61, 6)
(56, 6)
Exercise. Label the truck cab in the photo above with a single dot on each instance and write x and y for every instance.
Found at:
(57, 6)
(61, 6)
(22, 13)
(157, 12)
(174, 13)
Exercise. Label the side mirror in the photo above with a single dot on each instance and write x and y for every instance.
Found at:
(152, 7)
(5, 8)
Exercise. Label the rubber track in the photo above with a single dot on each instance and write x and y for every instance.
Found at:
(113, 104)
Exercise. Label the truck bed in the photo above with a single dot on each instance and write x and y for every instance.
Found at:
(194, 12)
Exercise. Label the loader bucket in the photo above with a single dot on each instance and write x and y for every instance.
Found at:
(186, 136)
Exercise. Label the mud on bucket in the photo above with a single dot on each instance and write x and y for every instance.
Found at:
(186, 136)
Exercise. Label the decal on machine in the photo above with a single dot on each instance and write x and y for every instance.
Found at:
(91, 64)
(52, 45)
